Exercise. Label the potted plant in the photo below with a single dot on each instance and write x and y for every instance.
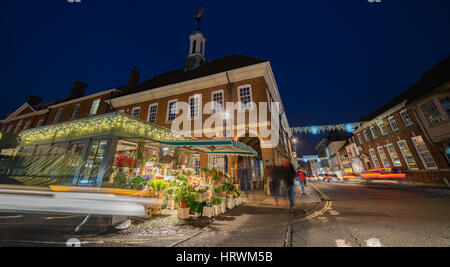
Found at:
(183, 197)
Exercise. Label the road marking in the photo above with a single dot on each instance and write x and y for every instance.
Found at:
(55, 218)
(334, 213)
(11, 217)
(342, 243)
(374, 243)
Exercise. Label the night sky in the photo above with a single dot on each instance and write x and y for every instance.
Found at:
(334, 61)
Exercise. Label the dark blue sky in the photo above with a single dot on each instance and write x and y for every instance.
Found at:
(334, 61)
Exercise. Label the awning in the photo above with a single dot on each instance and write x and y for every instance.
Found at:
(116, 123)
(220, 147)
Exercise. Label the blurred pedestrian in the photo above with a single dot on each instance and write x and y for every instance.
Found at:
(243, 175)
(276, 181)
(289, 174)
(302, 179)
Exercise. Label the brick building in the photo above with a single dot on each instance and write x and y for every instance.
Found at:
(242, 80)
(411, 132)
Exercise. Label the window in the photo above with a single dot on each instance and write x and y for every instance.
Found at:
(194, 45)
(18, 126)
(217, 98)
(245, 98)
(194, 105)
(27, 125)
(58, 115)
(136, 112)
(40, 123)
(445, 103)
(376, 163)
(382, 128)
(152, 112)
(383, 157)
(431, 113)
(407, 121)
(424, 153)
(409, 159)
(374, 132)
(393, 123)
(172, 110)
(75, 111)
(94, 107)
(394, 157)
(366, 136)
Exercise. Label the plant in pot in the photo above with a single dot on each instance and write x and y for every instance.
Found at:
(185, 195)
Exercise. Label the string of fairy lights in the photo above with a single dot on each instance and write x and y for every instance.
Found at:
(346, 127)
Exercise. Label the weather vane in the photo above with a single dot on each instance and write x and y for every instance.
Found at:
(198, 17)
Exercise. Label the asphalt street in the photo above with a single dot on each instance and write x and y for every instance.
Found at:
(344, 215)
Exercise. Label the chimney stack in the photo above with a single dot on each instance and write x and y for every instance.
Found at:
(134, 77)
(78, 89)
(34, 100)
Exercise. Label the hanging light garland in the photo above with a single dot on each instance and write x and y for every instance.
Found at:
(347, 127)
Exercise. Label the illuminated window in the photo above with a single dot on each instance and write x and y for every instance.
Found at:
(217, 98)
(424, 153)
(383, 157)
(382, 128)
(136, 112)
(152, 112)
(94, 107)
(374, 132)
(393, 123)
(366, 136)
(194, 106)
(394, 156)
(374, 158)
(75, 111)
(58, 115)
(172, 110)
(432, 113)
(245, 98)
(407, 121)
(407, 156)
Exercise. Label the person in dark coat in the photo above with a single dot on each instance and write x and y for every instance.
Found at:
(289, 174)
(243, 176)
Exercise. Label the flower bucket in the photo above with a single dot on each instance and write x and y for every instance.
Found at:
(183, 213)
(217, 209)
(208, 212)
(183, 205)
(223, 208)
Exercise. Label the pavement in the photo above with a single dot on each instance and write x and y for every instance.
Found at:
(329, 215)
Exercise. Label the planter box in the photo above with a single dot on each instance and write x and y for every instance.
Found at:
(230, 202)
(183, 213)
(208, 212)
(217, 209)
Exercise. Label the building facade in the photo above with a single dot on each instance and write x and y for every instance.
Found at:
(410, 133)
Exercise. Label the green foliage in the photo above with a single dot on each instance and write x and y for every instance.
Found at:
(196, 206)
(218, 201)
(159, 184)
(185, 195)
(228, 187)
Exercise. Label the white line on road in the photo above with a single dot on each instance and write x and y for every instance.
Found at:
(11, 217)
(342, 243)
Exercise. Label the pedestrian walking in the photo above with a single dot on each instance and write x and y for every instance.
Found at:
(289, 174)
(302, 179)
(243, 176)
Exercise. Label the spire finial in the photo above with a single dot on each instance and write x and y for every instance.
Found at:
(198, 17)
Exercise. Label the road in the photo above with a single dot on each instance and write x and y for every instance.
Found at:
(348, 215)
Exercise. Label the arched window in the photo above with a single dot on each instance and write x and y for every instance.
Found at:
(194, 46)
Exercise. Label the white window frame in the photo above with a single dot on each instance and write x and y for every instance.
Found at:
(372, 130)
(199, 103)
(27, 125)
(404, 157)
(168, 110)
(388, 165)
(76, 109)
(58, 115)
(149, 111)
(366, 135)
(134, 109)
(40, 123)
(391, 124)
(373, 155)
(396, 154)
(94, 107)
(382, 126)
(214, 111)
(239, 98)
(403, 119)
(360, 139)
(420, 155)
